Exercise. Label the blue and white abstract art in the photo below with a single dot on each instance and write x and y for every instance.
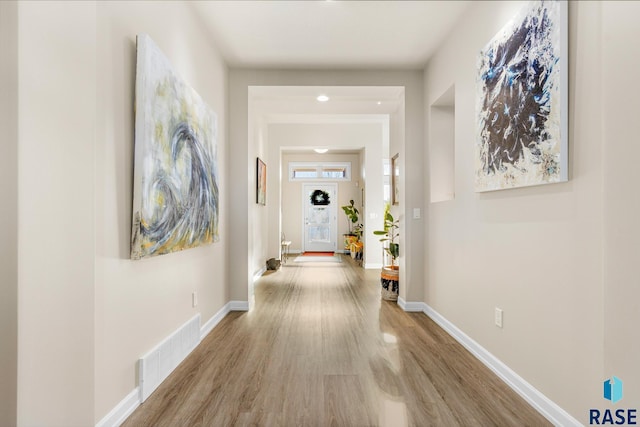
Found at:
(175, 197)
(522, 101)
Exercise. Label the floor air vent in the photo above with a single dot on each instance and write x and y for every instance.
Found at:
(157, 364)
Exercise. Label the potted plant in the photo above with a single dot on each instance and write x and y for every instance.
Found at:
(356, 247)
(352, 239)
(389, 277)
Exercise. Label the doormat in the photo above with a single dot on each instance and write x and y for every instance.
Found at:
(318, 254)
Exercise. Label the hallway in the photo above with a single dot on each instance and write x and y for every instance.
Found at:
(321, 348)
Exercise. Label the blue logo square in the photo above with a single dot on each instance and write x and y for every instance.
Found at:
(613, 389)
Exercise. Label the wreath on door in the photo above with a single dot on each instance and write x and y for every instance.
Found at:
(320, 198)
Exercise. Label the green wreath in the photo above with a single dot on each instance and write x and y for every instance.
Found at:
(319, 198)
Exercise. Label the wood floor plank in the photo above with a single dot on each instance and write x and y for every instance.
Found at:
(322, 349)
(347, 402)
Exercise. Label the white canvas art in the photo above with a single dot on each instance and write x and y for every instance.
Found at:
(175, 204)
(522, 101)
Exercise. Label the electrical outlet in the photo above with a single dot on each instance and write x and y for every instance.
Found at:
(498, 317)
(194, 299)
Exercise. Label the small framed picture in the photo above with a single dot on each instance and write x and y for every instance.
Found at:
(395, 176)
(261, 182)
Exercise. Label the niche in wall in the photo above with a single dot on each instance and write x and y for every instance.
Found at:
(442, 147)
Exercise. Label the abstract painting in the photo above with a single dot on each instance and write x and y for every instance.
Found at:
(521, 136)
(175, 197)
(261, 182)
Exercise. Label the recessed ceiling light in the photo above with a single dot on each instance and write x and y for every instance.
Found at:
(320, 150)
(322, 98)
(379, 102)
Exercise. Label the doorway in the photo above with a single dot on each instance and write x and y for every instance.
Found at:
(319, 209)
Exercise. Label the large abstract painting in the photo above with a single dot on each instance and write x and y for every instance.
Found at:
(175, 201)
(522, 101)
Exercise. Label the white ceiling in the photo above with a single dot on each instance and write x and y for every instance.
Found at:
(346, 105)
(307, 34)
(329, 34)
(286, 102)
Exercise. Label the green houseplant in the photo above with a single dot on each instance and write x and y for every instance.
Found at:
(390, 274)
(352, 239)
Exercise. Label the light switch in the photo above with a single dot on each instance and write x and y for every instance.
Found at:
(416, 213)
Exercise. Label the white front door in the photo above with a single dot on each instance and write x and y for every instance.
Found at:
(319, 203)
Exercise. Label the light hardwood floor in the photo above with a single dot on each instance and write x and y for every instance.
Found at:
(322, 349)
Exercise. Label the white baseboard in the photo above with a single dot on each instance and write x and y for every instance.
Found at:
(550, 410)
(410, 306)
(228, 307)
(238, 305)
(215, 319)
(260, 273)
(122, 411)
(129, 404)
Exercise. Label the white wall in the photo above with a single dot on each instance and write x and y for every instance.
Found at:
(138, 303)
(547, 255)
(8, 213)
(56, 234)
(245, 148)
(370, 136)
(270, 139)
(291, 197)
(258, 214)
(621, 109)
(86, 313)
(240, 159)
